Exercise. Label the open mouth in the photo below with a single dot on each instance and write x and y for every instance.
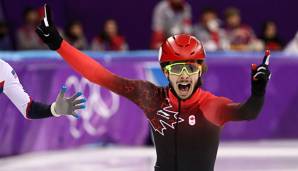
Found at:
(184, 86)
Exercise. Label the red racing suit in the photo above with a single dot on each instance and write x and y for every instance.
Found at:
(186, 132)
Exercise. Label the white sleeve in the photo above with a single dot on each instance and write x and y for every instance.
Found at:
(13, 89)
(292, 47)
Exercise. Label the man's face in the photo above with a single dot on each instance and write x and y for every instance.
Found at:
(32, 18)
(183, 77)
(77, 30)
(233, 21)
(111, 28)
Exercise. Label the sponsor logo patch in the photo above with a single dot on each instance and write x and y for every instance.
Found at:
(192, 120)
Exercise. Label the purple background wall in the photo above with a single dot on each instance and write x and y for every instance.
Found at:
(134, 16)
(114, 119)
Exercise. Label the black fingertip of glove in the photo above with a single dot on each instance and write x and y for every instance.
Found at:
(259, 84)
(50, 36)
(56, 39)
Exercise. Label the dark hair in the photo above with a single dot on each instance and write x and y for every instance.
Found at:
(231, 11)
(3, 24)
(209, 10)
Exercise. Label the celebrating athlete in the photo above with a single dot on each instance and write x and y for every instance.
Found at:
(12, 88)
(185, 119)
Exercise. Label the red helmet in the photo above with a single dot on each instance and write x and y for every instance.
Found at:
(180, 48)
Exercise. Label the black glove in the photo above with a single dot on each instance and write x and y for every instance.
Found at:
(48, 32)
(260, 76)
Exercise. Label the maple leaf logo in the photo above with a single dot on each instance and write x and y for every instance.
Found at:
(165, 117)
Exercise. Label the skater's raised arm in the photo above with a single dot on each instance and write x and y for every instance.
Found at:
(250, 109)
(85, 65)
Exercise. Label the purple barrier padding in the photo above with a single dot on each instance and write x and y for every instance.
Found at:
(279, 117)
(109, 118)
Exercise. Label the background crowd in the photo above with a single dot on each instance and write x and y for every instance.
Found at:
(227, 33)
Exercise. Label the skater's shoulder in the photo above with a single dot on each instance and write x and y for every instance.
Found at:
(207, 97)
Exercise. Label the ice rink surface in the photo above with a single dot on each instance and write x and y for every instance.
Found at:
(232, 156)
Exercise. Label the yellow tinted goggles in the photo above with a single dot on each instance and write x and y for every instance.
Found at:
(189, 68)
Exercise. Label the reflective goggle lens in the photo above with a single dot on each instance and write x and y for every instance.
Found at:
(190, 68)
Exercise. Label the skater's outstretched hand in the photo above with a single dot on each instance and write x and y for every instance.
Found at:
(67, 106)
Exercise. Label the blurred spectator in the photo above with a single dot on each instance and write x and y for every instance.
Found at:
(209, 32)
(5, 41)
(270, 36)
(109, 38)
(292, 46)
(241, 36)
(170, 17)
(74, 34)
(26, 36)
